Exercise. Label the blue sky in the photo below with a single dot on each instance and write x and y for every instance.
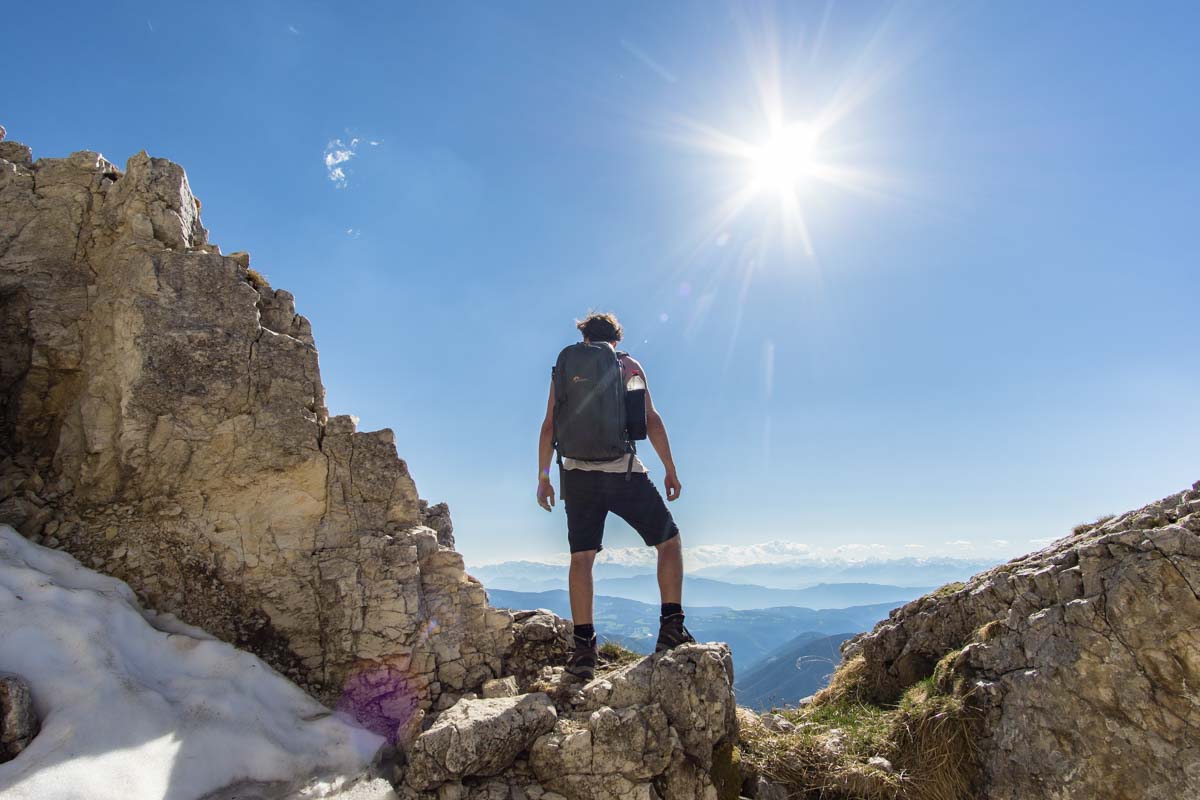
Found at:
(993, 337)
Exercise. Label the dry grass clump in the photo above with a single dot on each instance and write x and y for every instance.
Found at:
(256, 279)
(826, 755)
(928, 738)
(947, 589)
(849, 684)
(1084, 527)
(614, 655)
(990, 630)
(934, 745)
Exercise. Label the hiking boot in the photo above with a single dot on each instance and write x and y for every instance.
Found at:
(671, 633)
(582, 663)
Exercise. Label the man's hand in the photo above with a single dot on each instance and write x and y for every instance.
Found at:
(545, 493)
(672, 485)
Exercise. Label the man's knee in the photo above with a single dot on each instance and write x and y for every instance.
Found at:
(583, 559)
(672, 545)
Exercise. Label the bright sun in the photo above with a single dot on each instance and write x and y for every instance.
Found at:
(785, 162)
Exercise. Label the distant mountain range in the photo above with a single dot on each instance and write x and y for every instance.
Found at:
(893, 571)
(708, 592)
(794, 670)
(911, 573)
(752, 634)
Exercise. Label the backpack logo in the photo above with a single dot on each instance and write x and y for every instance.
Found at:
(578, 378)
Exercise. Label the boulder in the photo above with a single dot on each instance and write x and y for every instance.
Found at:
(691, 683)
(18, 720)
(540, 639)
(478, 737)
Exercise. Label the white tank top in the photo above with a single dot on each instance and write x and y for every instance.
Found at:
(616, 465)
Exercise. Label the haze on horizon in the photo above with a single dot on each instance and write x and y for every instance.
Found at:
(911, 278)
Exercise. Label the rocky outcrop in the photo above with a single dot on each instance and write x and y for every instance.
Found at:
(18, 721)
(649, 729)
(162, 418)
(1081, 660)
(541, 640)
(478, 737)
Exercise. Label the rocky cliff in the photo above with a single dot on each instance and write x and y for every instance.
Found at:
(162, 418)
(1070, 673)
(1082, 660)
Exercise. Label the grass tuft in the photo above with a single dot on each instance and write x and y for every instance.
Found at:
(614, 655)
(990, 630)
(256, 279)
(848, 684)
(1084, 527)
(928, 737)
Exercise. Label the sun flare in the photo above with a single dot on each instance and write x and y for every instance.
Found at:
(786, 162)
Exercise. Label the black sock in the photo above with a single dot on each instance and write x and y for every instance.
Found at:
(585, 633)
(671, 608)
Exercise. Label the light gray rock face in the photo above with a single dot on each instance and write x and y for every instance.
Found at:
(18, 720)
(162, 418)
(438, 517)
(478, 738)
(541, 640)
(1083, 659)
(645, 731)
(689, 682)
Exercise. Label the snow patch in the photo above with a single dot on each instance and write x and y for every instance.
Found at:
(137, 705)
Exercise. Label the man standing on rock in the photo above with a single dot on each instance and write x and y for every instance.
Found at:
(599, 405)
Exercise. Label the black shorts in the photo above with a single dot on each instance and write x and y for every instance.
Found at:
(590, 494)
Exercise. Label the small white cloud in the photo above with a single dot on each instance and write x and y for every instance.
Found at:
(292, 30)
(1044, 541)
(1000, 542)
(354, 233)
(959, 543)
(337, 153)
(914, 547)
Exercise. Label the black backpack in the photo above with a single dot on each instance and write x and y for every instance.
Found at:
(589, 405)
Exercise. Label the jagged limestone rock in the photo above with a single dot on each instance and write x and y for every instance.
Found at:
(1081, 659)
(500, 687)
(438, 517)
(18, 720)
(541, 639)
(170, 404)
(689, 682)
(478, 737)
(627, 746)
(610, 754)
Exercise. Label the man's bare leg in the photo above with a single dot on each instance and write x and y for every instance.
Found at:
(671, 631)
(579, 584)
(582, 663)
(670, 571)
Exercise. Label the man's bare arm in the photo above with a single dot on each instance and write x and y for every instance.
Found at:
(656, 432)
(545, 490)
